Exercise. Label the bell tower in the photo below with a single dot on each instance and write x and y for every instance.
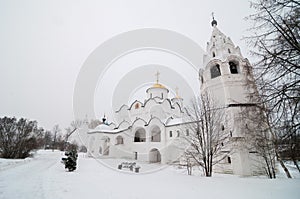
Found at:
(227, 76)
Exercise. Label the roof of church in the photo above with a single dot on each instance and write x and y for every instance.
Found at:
(156, 85)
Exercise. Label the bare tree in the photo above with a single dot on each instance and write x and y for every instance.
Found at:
(75, 125)
(206, 139)
(55, 130)
(18, 137)
(276, 44)
(94, 123)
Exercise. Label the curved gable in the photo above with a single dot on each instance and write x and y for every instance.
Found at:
(139, 122)
(154, 119)
(124, 106)
(167, 101)
(150, 101)
(123, 124)
(177, 106)
(135, 102)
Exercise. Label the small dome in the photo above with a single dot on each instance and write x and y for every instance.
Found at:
(102, 127)
(214, 23)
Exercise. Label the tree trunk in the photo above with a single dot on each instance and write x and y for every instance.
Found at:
(283, 165)
(296, 164)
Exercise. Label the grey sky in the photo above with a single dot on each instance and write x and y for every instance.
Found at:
(45, 43)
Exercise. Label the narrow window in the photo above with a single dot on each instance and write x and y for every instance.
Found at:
(222, 144)
(228, 160)
(222, 128)
(215, 71)
(171, 133)
(187, 132)
(230, 133)
(229, 50)
(233, 68)
(213, 54)
(162, 95)
(178, 133)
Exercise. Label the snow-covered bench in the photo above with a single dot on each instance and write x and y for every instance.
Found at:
(129, 165)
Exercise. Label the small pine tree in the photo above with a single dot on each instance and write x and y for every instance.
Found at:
(70, 160)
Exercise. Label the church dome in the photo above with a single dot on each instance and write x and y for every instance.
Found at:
(157, 85)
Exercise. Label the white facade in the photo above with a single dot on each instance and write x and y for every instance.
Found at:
(150, 131)
(146, 131)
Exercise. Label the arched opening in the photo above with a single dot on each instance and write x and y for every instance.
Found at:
(215, 71)
(119, 140)
(213, 54)
(154, 156)
(155, 134)
(140, 135)
(233, 67)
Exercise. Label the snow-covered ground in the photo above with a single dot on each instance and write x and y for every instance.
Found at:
(44, 177)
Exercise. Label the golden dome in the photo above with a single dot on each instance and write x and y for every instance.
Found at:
(158, 86)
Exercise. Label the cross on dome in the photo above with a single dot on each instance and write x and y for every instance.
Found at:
(177, 93)
(157, 76)
(214, 22)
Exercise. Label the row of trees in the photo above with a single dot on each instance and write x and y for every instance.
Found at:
(19, 137)
(275, 41)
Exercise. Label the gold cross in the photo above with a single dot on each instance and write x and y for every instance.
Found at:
(176, 89)
(157, 76)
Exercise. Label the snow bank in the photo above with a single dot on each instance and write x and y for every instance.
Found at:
(45, 177)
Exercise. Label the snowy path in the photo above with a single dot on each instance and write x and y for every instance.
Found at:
(26, 180)
(45, 178)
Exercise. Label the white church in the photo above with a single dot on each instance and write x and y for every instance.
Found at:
(150, 130)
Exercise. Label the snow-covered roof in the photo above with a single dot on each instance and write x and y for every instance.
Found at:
(174, 121)
(104, 128)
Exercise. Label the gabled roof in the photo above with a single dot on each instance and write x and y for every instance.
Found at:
(122, 107)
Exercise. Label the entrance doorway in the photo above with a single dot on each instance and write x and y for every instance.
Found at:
(154, 156)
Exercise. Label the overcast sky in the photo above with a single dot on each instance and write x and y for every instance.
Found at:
(43, 44)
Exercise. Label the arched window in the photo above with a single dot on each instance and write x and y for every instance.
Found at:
(155, 134)
(178, 133)
(119, 140)
(140, 135)
(213, 54)
(233, 67)
(229, 51)
(187, 132)
(215, 71)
